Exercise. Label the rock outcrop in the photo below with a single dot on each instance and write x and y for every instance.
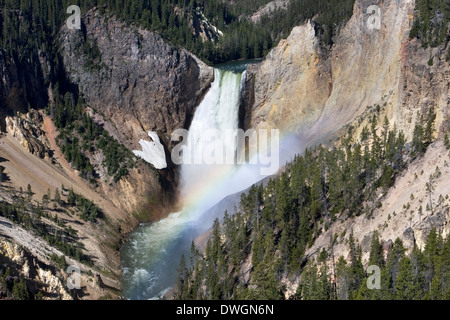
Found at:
(300, 88)
(136, 79)
(137, 83)
(38, 276)
(269, 8)
(27, 130)
(202, 28)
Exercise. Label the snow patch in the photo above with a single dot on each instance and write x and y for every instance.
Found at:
(152, 152)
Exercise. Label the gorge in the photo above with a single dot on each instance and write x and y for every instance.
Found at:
(88, 118)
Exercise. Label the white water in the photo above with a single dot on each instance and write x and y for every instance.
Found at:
(152, 255)
(152, 152)
(217, 113)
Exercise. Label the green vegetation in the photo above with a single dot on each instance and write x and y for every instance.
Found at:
(423, 132)
(446, 142)
(37, 218)
(416, 276)
(59, 260)
(14, 288)
(242, 38)
(431, 22)
(20, 290)
(28, 37)
(80, 135)
(88, 210)
(58, 237)
(31, 25)
(2, 174)
(277, 223)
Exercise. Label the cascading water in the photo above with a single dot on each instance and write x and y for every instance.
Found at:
(151, 256)
(217, 114)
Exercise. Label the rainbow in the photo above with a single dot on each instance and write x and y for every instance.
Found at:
(225, 180)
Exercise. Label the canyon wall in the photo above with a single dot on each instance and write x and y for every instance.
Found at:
(21, 86)
(303, 88)
(139, 81)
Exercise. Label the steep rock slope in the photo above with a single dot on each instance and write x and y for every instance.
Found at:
(409, 210)
(139, 81)
(301, 88)
(99, 240)
(135, 82)
(269, 8)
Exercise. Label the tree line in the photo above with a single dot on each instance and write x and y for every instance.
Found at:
(250, 252)
(418, 275)
(28, 26)
(242, 39)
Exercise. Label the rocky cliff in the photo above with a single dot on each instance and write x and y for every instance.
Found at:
(302, 88)
(135, 79)
(135, 82)
(268, 9)
(27, 130)
(39, 276)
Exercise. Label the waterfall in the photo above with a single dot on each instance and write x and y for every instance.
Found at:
(151, 256)
(216, 116)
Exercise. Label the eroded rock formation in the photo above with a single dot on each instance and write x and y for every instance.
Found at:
(302, 88)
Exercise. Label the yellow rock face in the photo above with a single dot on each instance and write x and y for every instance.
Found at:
(301, 88)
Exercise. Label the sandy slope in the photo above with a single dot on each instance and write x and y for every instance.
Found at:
(23, 168)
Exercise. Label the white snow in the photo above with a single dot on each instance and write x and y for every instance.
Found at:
(152, 152)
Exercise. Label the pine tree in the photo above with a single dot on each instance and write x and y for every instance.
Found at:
(446, 141)
(71, 198)
(264, 275)
(356, 268)
(2, 170)
(29, 192)
(417, 270)
(389, 276)
(20, 290)
(376, 251)
(216, 242)
(181, 281)
(309, 287)
(428, 133)
(404, 285)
